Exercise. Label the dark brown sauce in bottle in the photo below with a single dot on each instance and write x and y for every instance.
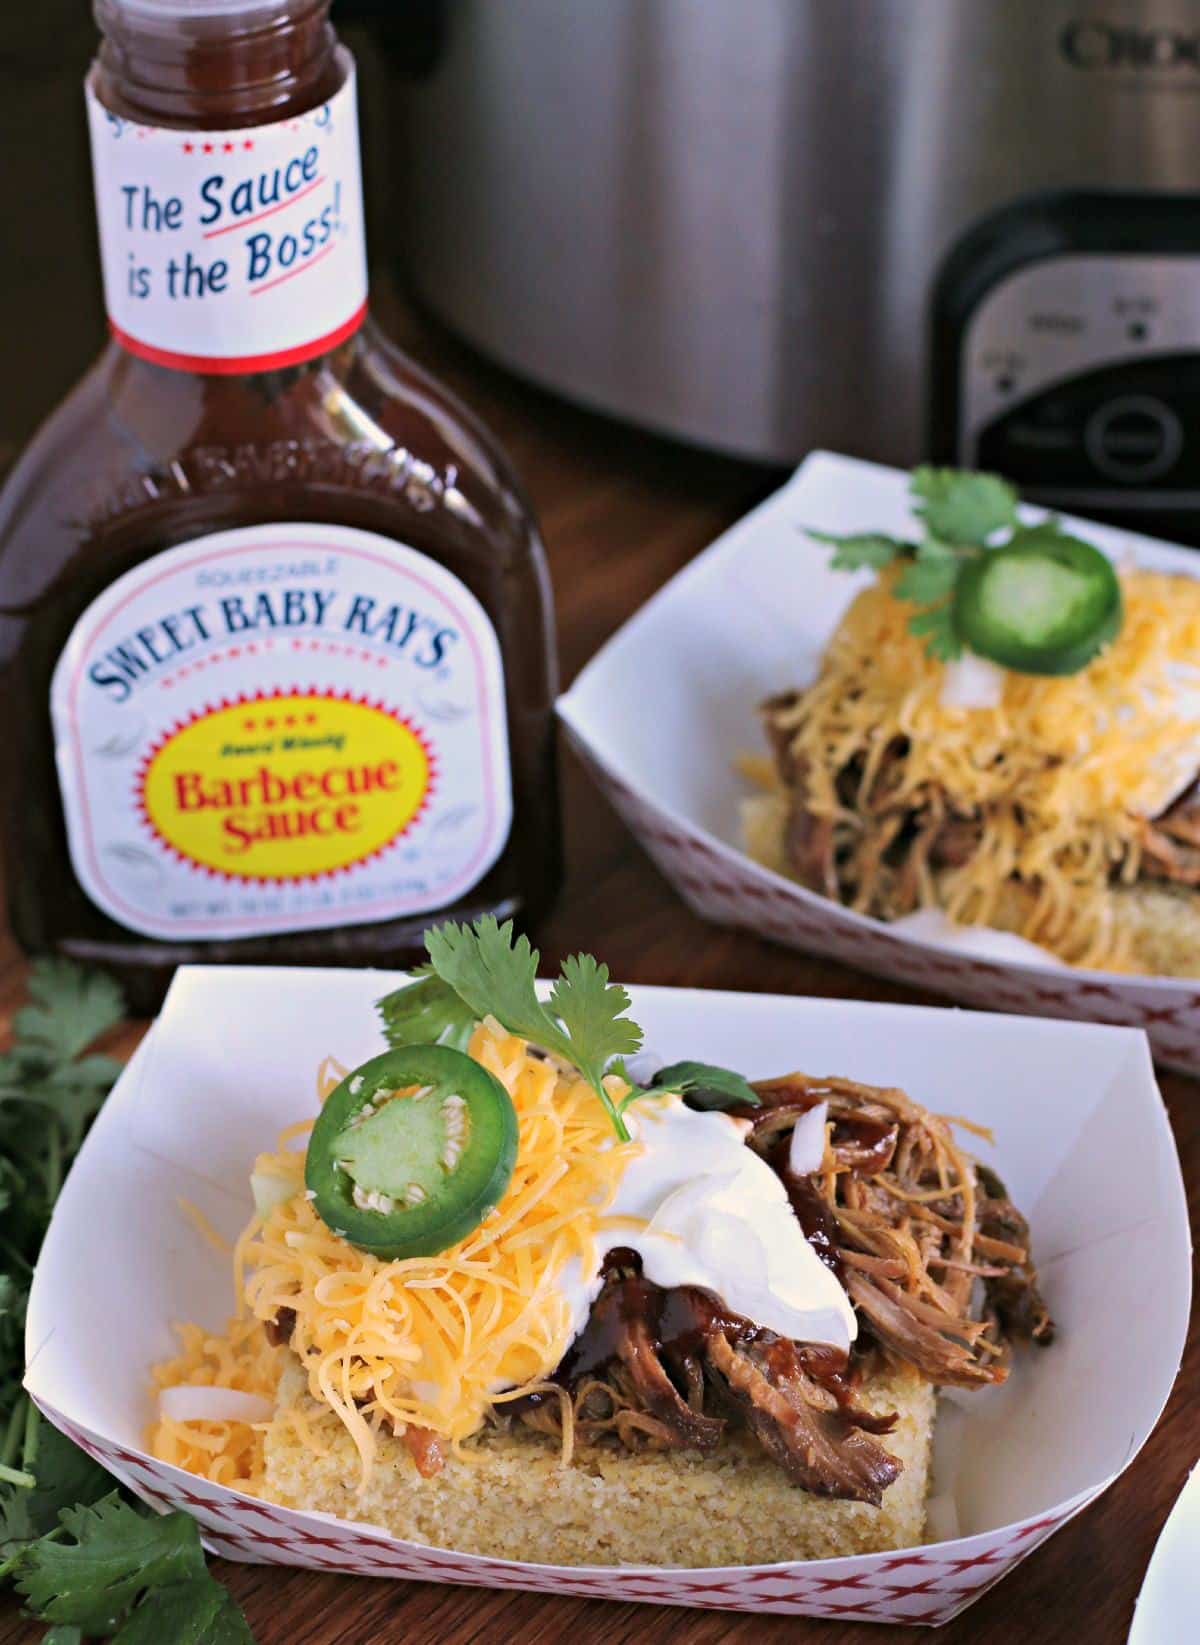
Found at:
(144, 456)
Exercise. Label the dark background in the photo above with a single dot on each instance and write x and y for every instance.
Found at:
(49, 278)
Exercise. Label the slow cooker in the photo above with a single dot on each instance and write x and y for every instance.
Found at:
(965, 228)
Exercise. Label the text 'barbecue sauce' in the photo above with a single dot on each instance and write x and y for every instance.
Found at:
(274, 613)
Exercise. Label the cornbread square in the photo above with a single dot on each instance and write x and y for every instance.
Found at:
(515, 1500)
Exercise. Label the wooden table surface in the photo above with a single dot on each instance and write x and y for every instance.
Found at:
(621, 513)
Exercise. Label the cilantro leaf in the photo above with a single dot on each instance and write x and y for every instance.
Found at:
(706, 1085)
(858, 549)
(94, 1072)
(493, 974)
(931, 576)
(120, 1556)
(197, 1612)
(426, 1012)
(130, 1573)
(71, 1008)
(961, 507)
(11, 1298)
(117, 1554)
(592, 1012)
(74, 1094)
(935, 624)
(64, 1475)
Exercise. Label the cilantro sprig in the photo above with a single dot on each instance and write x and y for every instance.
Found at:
(49, 1092)
(962, 514)
(484, 970)
(426, 1011)
(705, 1085)
(583, 1022)
(136, 1576)
(127, 1572)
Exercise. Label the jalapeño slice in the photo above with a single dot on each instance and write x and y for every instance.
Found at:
(411, 1151)
(1044, 603)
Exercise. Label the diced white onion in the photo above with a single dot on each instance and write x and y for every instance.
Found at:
(269, 1190)
(808, 1141)
(972, 682)
(197, 1402)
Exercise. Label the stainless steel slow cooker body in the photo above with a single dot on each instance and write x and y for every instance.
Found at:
(725, 219)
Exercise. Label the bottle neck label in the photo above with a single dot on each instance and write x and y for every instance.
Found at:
(231, 251)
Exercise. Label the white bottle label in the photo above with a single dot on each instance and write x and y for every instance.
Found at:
(280, 728)
(231, 251)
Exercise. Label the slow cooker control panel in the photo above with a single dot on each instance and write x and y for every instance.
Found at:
(1080, 380)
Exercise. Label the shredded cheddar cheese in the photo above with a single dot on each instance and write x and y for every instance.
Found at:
(430, 1342)
(1061, 773)
(228, 1453)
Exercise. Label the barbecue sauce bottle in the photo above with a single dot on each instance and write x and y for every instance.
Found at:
(274, 615)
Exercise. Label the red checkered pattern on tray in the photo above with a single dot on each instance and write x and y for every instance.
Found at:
(725, 886)
(916, 1586)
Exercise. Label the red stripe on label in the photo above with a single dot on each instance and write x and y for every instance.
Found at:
(239, 365)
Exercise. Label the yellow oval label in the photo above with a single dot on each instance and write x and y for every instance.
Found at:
(287, 787)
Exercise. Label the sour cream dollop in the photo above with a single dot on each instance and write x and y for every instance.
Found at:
(716, 1216)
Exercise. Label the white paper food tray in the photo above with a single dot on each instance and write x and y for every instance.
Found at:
(1169, 1602)
(1082, 1141)
(664, 708)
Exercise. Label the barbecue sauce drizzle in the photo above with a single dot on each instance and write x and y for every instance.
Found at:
(681, 1321)
(812, 1213)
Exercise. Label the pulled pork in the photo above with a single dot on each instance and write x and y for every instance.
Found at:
(820, 1446)
(674, 1369)
(881, 852)
(1171, 842)
(931, 1250)
(920, 1229)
